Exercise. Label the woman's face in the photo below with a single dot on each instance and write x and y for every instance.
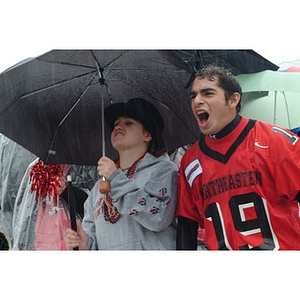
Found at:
(129, 134)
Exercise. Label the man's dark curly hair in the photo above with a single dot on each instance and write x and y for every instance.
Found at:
(3, 242)
(225, 78)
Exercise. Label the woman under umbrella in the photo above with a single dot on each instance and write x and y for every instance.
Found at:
(138, 214)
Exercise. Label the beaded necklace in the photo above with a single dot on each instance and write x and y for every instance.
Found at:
(111, 213)
(130, 171)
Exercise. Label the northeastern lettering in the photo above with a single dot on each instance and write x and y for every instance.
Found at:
(230, 182)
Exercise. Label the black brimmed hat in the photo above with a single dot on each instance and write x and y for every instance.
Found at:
(141, 110)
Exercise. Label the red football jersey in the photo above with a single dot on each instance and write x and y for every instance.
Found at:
(243, 187)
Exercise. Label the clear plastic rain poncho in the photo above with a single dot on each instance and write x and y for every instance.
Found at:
(29, 220)
(14, 160)
(40, 222)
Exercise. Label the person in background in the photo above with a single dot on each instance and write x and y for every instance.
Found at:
(138, 212)
(240, 181)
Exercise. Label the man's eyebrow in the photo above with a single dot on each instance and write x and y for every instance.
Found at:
(202, 91)
(207, 90)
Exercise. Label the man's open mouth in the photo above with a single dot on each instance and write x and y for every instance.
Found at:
(203, 117)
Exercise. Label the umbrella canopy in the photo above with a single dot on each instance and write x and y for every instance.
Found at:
(52, 104)
(272, 97)
(237, 61)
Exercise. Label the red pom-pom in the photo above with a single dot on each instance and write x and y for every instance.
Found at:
(45, 180)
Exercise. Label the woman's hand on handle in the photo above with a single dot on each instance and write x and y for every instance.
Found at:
(77, 239)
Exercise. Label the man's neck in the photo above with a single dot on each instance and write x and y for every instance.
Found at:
(228, 128)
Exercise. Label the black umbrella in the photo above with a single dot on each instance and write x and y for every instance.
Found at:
(237, 61)
(51, 104)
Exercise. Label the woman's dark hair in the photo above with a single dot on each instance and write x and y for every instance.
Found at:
(225, 78)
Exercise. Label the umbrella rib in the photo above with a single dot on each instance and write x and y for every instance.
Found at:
(56, 84)
(52, 151)
(65, 63)
(96, 59)
(68, 64)
(108, 69)
(100, 68)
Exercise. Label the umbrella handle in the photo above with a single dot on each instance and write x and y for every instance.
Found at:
(104, 186)
(72, 206)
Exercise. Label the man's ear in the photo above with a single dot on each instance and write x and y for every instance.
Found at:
(234, 99)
